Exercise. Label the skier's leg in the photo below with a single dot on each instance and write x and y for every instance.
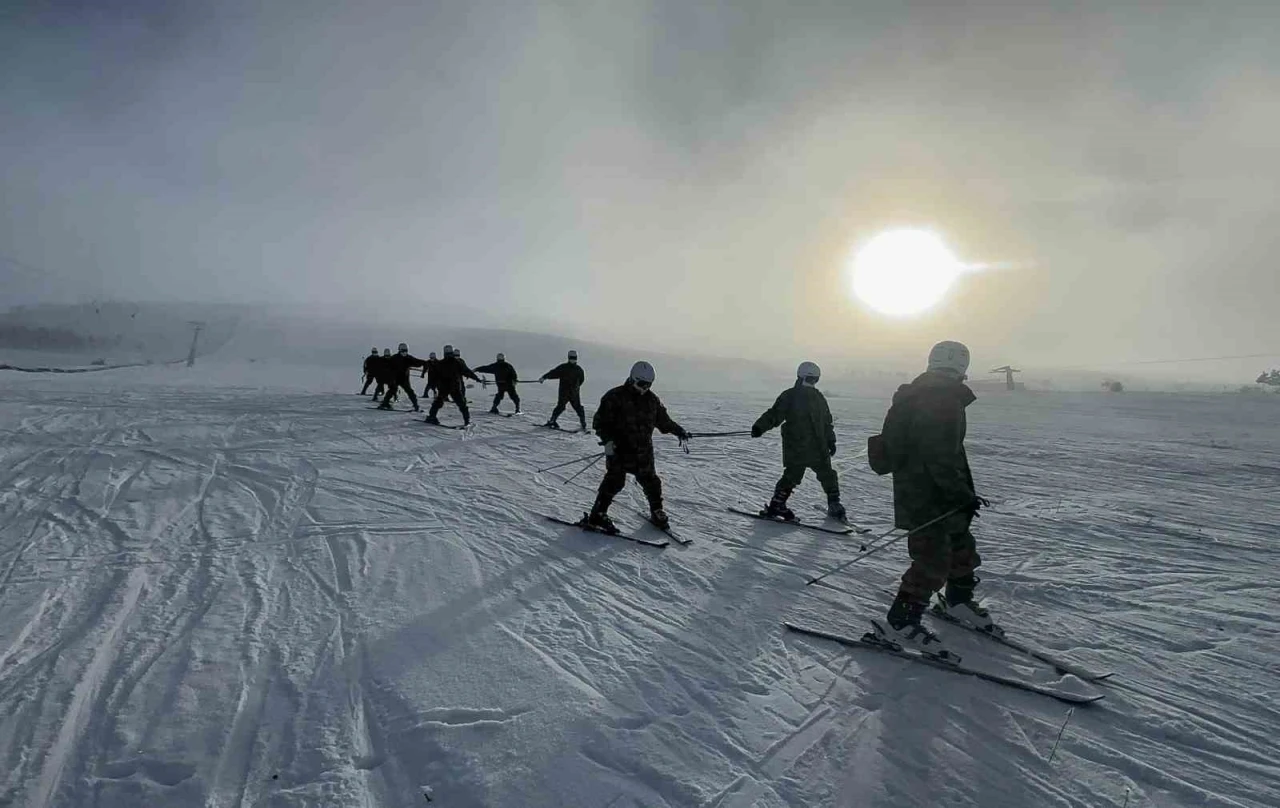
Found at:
(831, 485)
(561, 402)
(930, 551)
(436, 404)
(651, 484)
(615, 477)
(497, 400)
(576, 400)
(964, 560)
(515, 397)
(461, 401)
(368, 380)
(392, 388)
(408, 388)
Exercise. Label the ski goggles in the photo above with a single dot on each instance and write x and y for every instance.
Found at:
(643, 385)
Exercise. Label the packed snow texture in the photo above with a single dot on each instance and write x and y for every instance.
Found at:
(230, 587)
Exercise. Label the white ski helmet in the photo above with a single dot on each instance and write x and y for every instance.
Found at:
(809, 372)
(950, 357)
(573, 356)
(403, 348)
(642, 373)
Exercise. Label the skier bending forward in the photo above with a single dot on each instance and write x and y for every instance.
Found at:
(808, 441)
(624, 423)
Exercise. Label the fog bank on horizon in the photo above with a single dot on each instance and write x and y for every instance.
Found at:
(686, 176)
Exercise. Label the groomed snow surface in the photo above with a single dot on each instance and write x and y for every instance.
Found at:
(221, 589)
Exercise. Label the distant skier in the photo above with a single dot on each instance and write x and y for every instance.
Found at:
(428, 369)
(808, 441)
(504, 374)
(370, 363)
(449, 374)
(625, 421)
(571, 379)
(398, 372)
(925, 432)
(382, 373)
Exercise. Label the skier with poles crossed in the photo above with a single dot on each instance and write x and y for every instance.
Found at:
(934, 499)
(808, 442)
(625, 421)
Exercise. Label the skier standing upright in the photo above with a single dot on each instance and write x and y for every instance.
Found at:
(398, 372)
(504, 374)
(625, 421)
(571, 378)
(382, 373)
(427, 369)
(808, 441)
(449, 374)
(370, 363)
(925, 432)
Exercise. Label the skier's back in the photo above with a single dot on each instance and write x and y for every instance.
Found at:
(926, 429)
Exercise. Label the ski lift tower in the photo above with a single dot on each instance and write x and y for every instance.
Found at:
(195, 337)
(1008, 376)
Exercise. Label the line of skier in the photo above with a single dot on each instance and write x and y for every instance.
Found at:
(446, 380)
(921, 444)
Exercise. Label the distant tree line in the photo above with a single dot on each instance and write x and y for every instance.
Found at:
(1272, 378)
(48, 339)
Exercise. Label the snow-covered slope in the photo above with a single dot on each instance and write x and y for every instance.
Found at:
(240, 586)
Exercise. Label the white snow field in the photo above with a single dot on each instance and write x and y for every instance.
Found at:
(241, 586)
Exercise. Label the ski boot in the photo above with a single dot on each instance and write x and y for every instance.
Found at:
(431, 419)
(551, 424)
(777, 509)
(517, 412)
(659, 518)
(959, 605)
(416, 408)
(836, 510)
(599, 520)
(493, 411)
(902, 629)
(384, 406)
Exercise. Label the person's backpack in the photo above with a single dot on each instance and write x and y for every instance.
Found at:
(887, 452)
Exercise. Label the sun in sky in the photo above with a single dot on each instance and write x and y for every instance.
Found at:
(903, 272)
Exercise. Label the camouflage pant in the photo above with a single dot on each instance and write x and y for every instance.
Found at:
(940, 553)
(792, 475)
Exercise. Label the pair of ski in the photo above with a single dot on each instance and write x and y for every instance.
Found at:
(671, 535)
(874, 640)
(847, 529)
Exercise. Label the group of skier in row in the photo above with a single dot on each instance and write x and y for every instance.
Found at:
(446, 381)
(921, 445)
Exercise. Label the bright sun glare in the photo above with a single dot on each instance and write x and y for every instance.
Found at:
(903, 272)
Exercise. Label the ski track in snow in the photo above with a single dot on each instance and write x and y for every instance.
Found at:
(231, 597)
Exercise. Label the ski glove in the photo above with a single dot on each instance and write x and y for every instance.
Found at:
(832, 448)
(609, 448)
(756, 431)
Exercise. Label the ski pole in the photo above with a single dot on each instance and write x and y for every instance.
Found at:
(584, 468)
(894, 540)
(571, 462)
(719, 434)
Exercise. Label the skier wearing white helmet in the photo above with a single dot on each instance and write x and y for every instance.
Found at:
(808, 442)
(625, 421)
(922, 445)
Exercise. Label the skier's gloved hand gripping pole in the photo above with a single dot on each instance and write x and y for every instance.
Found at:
(961, 509)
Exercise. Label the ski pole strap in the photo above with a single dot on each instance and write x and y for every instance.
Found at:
(719, 434)
(880, 547)
(583, 459)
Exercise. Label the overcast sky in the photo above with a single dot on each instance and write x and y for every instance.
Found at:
(669, 173)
